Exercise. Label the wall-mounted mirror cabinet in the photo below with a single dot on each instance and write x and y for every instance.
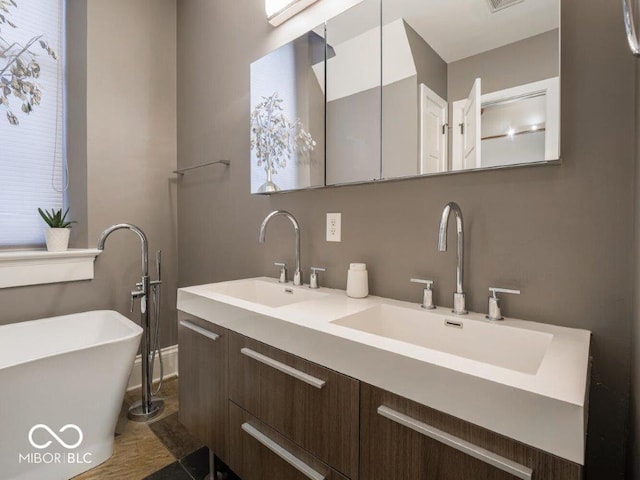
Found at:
(400, 88)
(288, 116)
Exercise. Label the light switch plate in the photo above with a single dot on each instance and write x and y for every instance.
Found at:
(334, 227)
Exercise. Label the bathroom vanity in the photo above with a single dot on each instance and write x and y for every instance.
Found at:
(287, 382)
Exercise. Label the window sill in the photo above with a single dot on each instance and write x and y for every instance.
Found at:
(20, 268)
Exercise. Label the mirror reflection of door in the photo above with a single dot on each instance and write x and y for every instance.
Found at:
(471, 156)
(434, 115)
(467, 128)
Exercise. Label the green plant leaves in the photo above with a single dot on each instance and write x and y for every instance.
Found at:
(55, 218)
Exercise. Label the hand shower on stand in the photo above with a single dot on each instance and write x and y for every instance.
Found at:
(148, 407)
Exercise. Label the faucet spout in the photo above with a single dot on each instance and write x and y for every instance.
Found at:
(297, 278)
(452, 207)
(136, 230)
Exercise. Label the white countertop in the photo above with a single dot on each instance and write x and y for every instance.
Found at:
(545, 410)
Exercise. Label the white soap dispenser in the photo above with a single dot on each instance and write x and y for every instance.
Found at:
(357, 281)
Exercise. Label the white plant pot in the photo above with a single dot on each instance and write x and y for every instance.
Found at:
(57, 239)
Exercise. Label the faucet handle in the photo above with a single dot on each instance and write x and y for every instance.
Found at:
(139, 293)
(283, 272)
(494, 302)
(159, 264)
(495, 290)
(313, 279)
(427, 293)
(428, 283)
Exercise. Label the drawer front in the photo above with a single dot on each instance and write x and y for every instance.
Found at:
(203, 392)
(316, 408)
(258, 452)
(401, 439)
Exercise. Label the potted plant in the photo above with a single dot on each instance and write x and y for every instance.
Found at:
(57, 235)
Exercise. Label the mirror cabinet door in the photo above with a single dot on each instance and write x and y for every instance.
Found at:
(353, 99)
(400, 88)
(469, 84)
(288, 116)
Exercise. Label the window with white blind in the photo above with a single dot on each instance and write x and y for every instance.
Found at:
(32, 126)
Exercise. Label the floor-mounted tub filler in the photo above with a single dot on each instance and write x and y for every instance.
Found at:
(62, 382)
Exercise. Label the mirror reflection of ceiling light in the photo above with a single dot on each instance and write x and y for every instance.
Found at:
(279, 11)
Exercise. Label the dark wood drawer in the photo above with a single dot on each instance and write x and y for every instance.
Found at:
(316, 408)
(257, 452)
(203, 392)
(401, 439)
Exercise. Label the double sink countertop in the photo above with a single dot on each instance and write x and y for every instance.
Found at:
(525, 380)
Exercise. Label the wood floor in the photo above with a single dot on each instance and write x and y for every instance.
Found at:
(158, 450)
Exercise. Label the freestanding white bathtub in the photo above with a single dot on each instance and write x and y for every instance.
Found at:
(62, 382)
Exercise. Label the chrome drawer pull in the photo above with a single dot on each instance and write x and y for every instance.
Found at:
(285, 455)
(313, 381)
(200, 330)
(504, 464)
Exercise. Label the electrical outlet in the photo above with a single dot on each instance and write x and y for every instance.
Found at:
(334, 227)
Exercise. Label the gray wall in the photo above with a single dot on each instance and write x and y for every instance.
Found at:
(430, 67)
(76, 76)
(562, 234)
(353, 138)
(535, 58)
(400, 129)
(634, 405)
(122, 149)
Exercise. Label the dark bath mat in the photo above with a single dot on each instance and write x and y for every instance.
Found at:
(197, 463)
(223, 472)
(173, 471)
(175, 436)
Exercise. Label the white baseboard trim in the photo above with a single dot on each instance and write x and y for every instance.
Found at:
(170, 360)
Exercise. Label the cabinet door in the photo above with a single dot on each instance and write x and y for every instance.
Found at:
(316, 408)
(203, 392)
(257, 452)
(401, 439)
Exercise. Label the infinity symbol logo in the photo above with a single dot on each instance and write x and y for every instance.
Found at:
(53, 434)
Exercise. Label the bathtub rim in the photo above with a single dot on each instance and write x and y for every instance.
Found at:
(136, 331)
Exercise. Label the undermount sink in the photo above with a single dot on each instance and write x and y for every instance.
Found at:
(493, 343)
(266, 293)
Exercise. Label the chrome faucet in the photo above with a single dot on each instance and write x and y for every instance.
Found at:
(297, 276)
(136, 230)
(148, 407)
(458, 296)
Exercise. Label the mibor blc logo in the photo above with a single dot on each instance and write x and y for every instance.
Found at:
(68, 441)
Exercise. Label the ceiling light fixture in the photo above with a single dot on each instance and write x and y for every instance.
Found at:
(279, 11)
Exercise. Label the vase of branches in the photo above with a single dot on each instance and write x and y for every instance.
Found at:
(276, 139)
